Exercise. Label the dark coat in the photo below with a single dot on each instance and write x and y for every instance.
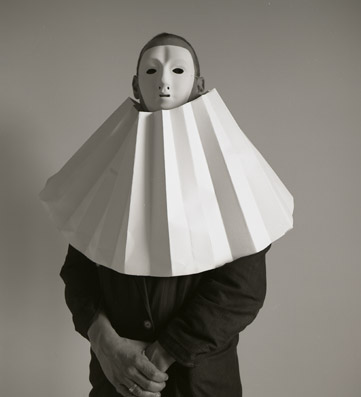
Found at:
(196, 318)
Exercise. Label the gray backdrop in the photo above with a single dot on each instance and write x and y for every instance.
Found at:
(290, 72)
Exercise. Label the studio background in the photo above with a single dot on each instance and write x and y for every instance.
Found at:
(289, 71)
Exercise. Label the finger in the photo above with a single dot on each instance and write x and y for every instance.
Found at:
(123, 391)
(150, 371)
(147, 384)
(136, 391)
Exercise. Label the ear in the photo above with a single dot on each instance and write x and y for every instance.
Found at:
(200, 84)
(135, 85)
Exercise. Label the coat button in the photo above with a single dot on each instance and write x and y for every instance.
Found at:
(147, 324)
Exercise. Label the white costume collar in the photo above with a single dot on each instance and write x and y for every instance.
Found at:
(168, 193)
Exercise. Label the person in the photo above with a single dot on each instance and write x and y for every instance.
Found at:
(169, 336)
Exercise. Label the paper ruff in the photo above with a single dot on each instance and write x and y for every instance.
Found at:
(169, 193)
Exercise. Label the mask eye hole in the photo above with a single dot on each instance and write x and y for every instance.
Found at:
(151, 71)
(178, 70)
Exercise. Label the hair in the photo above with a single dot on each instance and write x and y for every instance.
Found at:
(171, 39)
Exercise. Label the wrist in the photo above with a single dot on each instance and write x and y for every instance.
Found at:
(159, 356)
(165, 356)
(102, 335)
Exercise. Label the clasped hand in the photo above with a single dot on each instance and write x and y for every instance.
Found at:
(124, 362)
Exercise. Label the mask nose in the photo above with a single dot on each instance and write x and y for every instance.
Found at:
(164, 86)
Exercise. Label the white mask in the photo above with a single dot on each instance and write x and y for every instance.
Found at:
(166, 77)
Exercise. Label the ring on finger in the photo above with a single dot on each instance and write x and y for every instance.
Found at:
(132, 388)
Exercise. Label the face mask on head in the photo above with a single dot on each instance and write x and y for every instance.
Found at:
(165, 77)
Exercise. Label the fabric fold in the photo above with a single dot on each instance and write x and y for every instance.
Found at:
(168, 193)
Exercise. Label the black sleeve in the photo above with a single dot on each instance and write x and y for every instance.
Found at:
(82, 289)
(226, 301)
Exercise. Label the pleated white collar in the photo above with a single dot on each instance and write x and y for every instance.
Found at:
(168, 193)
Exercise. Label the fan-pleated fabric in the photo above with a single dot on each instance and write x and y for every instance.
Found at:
(168, 193)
